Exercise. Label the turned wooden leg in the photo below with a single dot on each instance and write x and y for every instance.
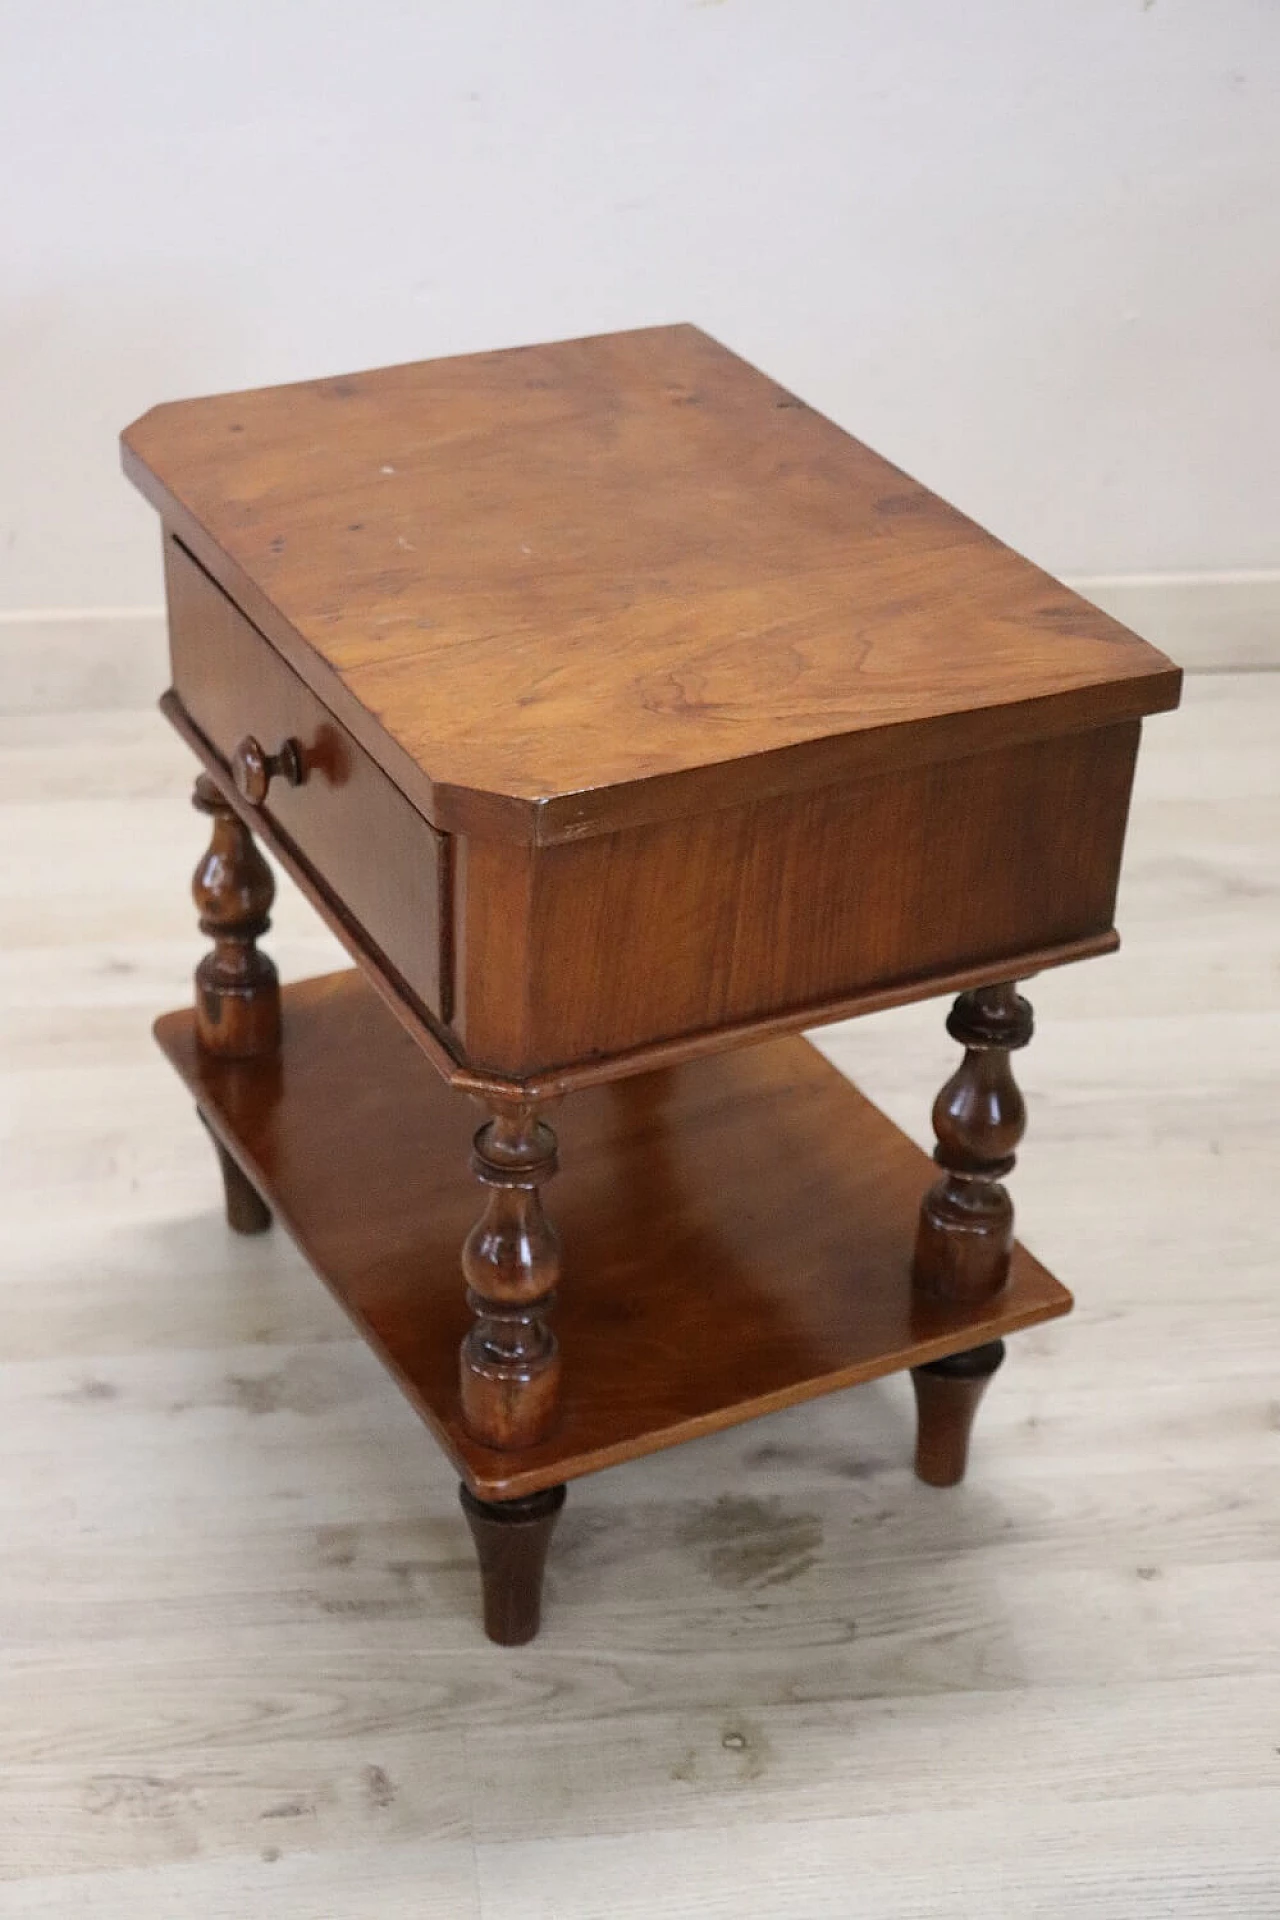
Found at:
(947, 1396)
(510, 1363)
(965, 1236)
(237, 991)
(512, 1537)
(247, 1211)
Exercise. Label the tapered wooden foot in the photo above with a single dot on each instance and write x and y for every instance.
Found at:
(247, 1211)
(947, 1396)
(512, 1537)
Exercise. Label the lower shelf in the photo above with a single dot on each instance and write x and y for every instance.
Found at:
(737, 1230)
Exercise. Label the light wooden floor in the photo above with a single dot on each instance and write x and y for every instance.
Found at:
(240, 1664)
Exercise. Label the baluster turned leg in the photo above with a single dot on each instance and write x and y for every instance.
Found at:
(511, 1262)
(510, 1361)
(237, 996)
(965, 1238)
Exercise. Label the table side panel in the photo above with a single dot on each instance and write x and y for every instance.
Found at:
(685, 926)
(366, 844)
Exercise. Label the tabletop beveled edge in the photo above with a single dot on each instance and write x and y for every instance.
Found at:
(451, 807)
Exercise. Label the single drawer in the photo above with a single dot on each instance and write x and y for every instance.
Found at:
(367, 851)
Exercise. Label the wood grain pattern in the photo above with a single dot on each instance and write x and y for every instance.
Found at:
(667, 849)
(581, 586)
(368, 850)
(678, 1209)
(690, 927)
(497, 1002)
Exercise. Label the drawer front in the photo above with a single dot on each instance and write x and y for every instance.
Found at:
(367, 849)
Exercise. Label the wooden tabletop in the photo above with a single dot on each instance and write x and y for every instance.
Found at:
(566, 587)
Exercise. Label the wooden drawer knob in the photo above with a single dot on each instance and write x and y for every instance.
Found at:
(254, 770)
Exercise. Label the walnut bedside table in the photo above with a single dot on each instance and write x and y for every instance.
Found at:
(623, 716)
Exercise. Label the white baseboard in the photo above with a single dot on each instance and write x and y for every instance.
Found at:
(1207, 622)
(67, 659)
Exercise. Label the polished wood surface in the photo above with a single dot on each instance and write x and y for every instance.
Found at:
(760, 728)
(367, 851)
(594, 948)
(247, 1211)
(512, 1538)
(237, 990)
(253, 768)
(509, 1361)
(948, 1393)
(574, 587)
(964, 1242)
(504, 926)
(737, 1231)
(875, 756)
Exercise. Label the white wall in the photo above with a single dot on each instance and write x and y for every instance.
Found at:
(1027, 250)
